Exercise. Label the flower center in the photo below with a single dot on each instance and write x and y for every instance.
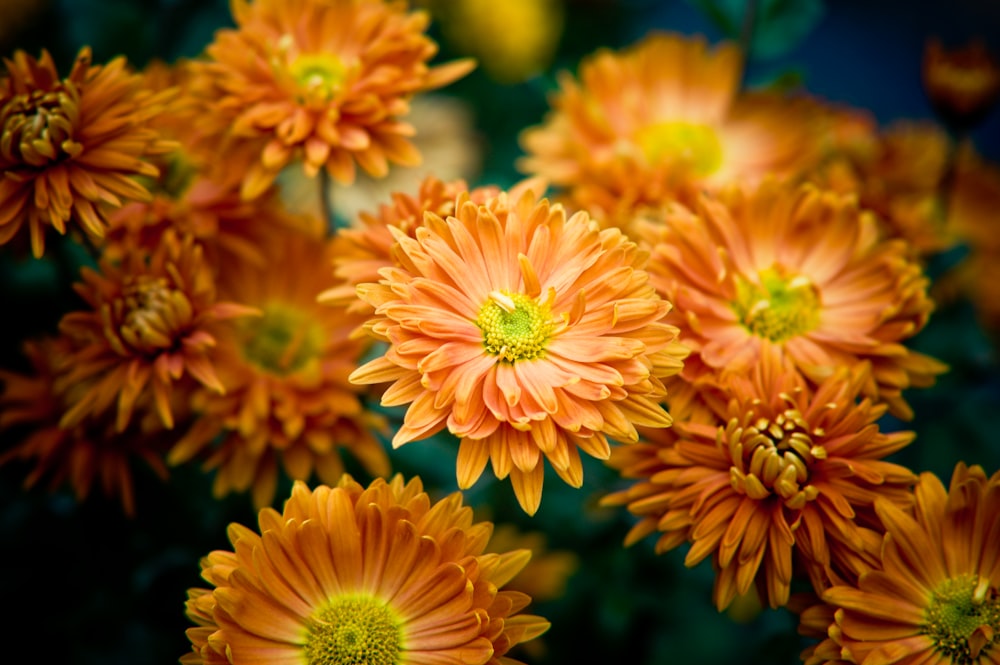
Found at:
(686, 145)
(515, 326)
(779, 307)
(281, 341)
(773, 455)
(151, 313)
(37, 128)
(353, 630)
(320, 76)
(963, 618)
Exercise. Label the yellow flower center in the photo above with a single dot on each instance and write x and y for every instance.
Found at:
(353, 630)
(773, 455)
(779, 307)
(37, 128)
(281, 341)
(151, 316)
(690, 146)
(320, 76)
(515, 326)
(963, 618)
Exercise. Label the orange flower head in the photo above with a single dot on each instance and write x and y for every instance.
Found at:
(366, 247)
(91, 451)
(662, 120)
(377, 575)
(899, 173)
(963, 83)
(525, 333)
(794, 271)
(287, 399)
(786, 470)
(935, 599)
(153, 319)
(973, 200)
(327, 82)
(72, 147)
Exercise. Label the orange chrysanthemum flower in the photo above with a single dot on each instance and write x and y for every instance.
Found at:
(787, 470)
(963, 84)
(72, 147)
(797, 272)
(351, 575)
(327, 82)
(287, 396)
(523, 332)
(153, 319)
(659, 121)
(935, 600)
(365, 248)
(94, 450)
(900, 173)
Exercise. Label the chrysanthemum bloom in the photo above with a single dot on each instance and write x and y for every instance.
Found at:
(481, 28)
(660, 120)
(973, 199)
(366, 247)
(152, 319)
(287, 397)
(324, 81)
(963, 84)
(900, 174)
(379, 576)
(787, 470)
(92, 451)
(793, 271)
(936, 598)
(524, 332)
(72, 147)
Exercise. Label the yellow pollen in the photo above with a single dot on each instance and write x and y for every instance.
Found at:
(152, 316)
(778, 308)
(353, 630)
(37, 128)
(515, 326)
(282, 341)
(963, 618)
(320, 76)
(689, 146)
(773, 456)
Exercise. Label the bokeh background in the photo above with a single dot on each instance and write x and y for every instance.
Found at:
(87, 585)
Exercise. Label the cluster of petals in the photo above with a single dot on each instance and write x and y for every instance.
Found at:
(286, 401)
(151, 320)
(782, 482)
(94, 451)
(583, 359)
(366, 247)
(327, 82)
(71, 148)
(659, 121)
(934, 595)
(388, 550)
(794, 271)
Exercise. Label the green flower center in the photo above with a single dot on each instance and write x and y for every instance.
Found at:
(353, 630)
(963, 619)
(515, 326)
(690, 146)
(281, 341)
(319, 75)
(779, 307)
